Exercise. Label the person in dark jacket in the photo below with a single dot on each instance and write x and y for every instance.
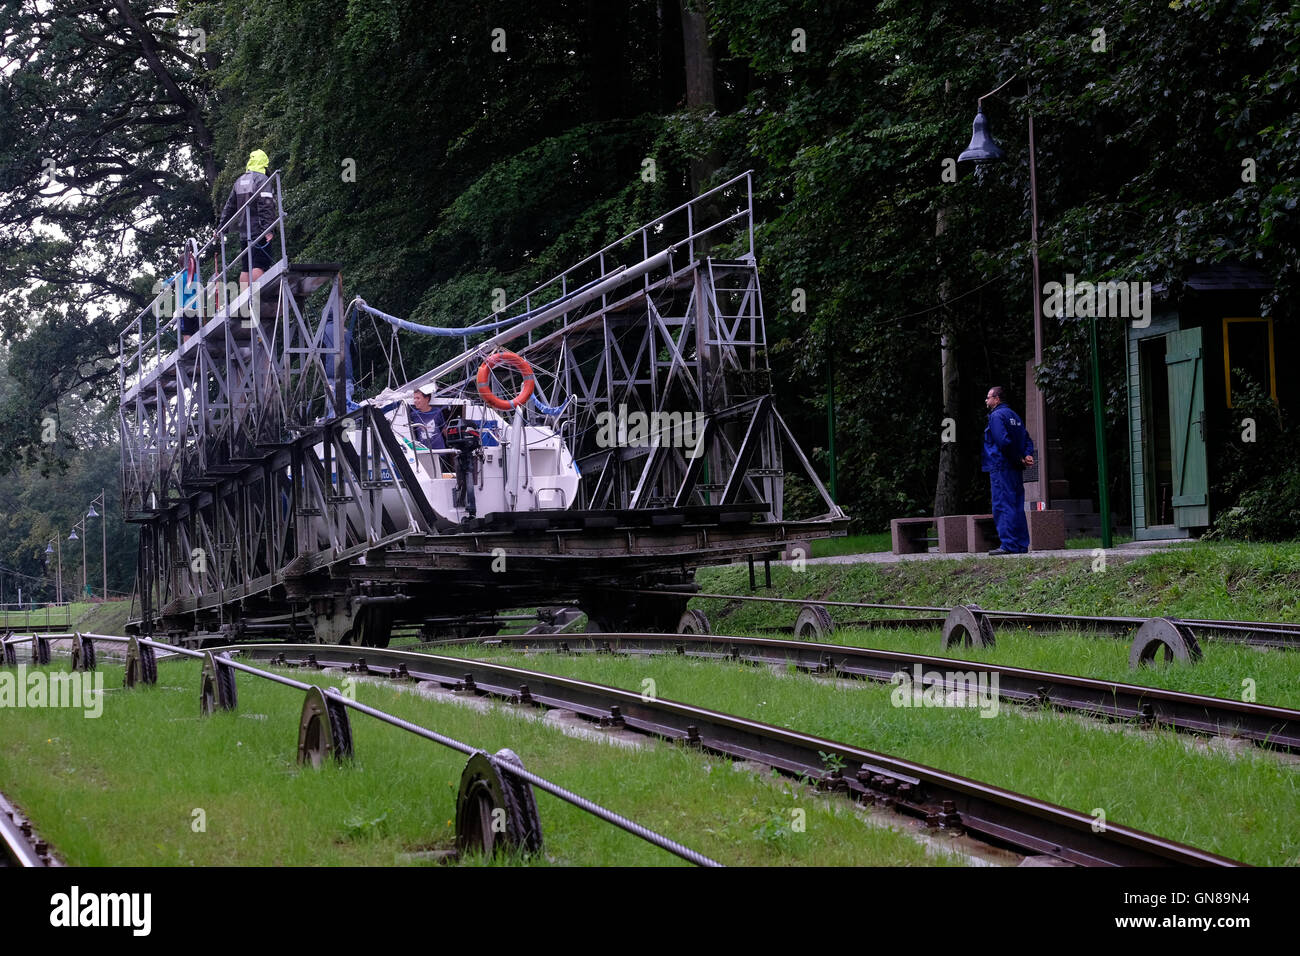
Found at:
(1008, 450)
(256, 221)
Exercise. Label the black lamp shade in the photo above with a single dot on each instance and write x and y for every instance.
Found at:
(982, 149)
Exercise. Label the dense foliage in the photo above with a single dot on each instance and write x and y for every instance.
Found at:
(478, 168)
(1258, 473)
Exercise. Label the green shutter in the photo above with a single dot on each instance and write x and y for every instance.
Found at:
(1187, 421)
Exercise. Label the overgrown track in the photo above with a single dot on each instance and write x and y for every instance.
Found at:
(495, 806)
(1192, 713)
(1279, 634)
(943, 800)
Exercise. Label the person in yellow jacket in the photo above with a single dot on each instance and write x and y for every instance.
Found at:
(255, 220)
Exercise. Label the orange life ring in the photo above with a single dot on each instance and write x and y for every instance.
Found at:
(520, 365)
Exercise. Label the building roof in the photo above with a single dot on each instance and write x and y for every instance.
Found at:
(1222, 277)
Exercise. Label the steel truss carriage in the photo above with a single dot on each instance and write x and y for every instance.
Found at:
(261, 508)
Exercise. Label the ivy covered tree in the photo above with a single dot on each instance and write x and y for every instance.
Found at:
(441, 152)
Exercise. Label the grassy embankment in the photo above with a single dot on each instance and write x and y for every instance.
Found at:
(102, 617)
(1219, 581)
(880, 541)
(1243, 806)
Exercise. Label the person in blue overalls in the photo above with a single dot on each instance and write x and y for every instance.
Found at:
(1008, 450)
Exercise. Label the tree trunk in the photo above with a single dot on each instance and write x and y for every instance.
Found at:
(700, 89)
(945, 493)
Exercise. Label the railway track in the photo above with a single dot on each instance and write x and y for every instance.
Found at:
(1277, 727)
(20, 846)
(942, 800)
(495, 807)
(1277, 634)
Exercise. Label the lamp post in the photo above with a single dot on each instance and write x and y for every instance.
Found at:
(830, 412)
(1098, 428)
(103, 535)
(54, 548)
(72, 536)
(983, 149)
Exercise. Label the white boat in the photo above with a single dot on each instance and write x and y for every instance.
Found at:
(509, 465)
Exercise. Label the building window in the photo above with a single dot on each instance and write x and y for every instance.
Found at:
(1248, 356)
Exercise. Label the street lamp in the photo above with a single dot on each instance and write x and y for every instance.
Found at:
(54, 548)
(73, 537)
(103, 536)
(983, 149)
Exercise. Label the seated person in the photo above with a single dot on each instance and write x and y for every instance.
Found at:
(426, 421)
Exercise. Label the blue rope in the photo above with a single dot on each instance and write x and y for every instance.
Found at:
(435, 329)
(473, 329)
(550, 410)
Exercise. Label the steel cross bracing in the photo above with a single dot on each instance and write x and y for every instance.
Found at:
(283, 519)
(257, 372)
(255, 497)
(665, 328)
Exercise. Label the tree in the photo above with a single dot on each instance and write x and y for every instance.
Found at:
(106, 160)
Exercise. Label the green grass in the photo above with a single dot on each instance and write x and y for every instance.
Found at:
(1202, 580)
(37, 617)
(852, 544)
(1244, 807)
(1209, 580)
(79, 615)
(123, 789)
(1090, 543)
(1274, 675)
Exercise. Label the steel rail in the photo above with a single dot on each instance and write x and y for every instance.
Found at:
(18, 846)
(504, 766)
(1188, 713)
(942, 799)
(1283, 633)
(568, 796)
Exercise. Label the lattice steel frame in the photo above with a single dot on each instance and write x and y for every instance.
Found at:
(656, 324)
(249, 488)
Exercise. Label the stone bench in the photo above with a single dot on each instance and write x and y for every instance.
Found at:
(1046, 531)
(981, 533)
(911, 535)
(958, 534)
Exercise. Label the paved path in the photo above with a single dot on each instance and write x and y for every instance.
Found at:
(1127, 550)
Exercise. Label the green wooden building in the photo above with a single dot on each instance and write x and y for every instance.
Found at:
(1182, 370)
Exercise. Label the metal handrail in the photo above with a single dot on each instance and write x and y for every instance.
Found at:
(21, 615)
(654, 235)
(136, 339)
